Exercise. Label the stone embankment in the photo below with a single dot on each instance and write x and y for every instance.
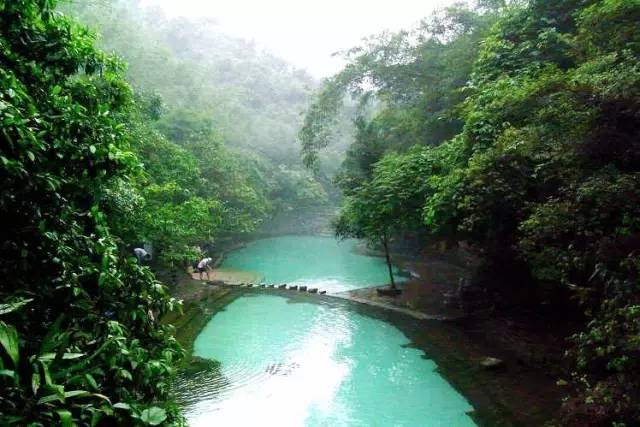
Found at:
(279, 288)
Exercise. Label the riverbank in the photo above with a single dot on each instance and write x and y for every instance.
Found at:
(199, 302)
(530, 343)
(521, 391)
(513, 394)
(229, 276)
(535, 335)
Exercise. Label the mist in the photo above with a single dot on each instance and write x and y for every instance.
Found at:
(305, 34)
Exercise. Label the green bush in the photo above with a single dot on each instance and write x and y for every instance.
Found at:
(79, 343)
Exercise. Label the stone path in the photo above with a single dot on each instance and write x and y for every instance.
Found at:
(412, 313)
(239, 279)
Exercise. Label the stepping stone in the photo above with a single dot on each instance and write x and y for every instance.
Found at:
(293, 288)
(322, 292)
(282, 287)
(313, 290)
(302, 288)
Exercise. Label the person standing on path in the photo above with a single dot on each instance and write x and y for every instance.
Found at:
(203, 266)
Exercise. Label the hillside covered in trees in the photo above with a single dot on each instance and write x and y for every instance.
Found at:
(79, 339)
(509, 127)
(104, 152)
(219, 126)
(512, 127)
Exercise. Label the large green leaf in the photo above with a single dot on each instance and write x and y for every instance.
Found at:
(76, 393)
(9, 341)
(66, 419)
(35, 383)
(13, 306)
(7, 373)
(47, 357)
(153, 416)
(122, 405)
(57, 393)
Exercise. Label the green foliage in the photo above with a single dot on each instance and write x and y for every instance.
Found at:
(197, 114)
(295, 188)
(554, 174)
(392, 200)
(191, 190)
(234, 108)
(174, 220)
(195, 188)
(153, 416)
(542, 176)
(316, 132)
(606, 354)
(79, 343)
(412, 82)
(416, 77)
(362, 218)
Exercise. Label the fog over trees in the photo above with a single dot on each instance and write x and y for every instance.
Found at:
(509, 128)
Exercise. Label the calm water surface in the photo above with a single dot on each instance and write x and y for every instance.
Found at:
(304, 364)
(321, 262)
(287, 363)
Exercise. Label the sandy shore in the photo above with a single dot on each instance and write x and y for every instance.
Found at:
(228, 276)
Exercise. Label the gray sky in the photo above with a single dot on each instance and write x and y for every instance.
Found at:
(306, 33)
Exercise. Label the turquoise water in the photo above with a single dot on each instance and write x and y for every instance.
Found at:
(306, 364)
(320, 262)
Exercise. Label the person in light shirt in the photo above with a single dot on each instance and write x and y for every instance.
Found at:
(204, 267)
(141, 255)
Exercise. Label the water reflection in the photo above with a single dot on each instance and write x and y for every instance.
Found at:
(313, 365)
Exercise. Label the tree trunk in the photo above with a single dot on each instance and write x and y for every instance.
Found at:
(385, 244)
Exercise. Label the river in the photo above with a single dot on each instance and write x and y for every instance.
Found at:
(299, 363)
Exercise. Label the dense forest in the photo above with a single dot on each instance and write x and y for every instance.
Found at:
(100, 155)
(511, 128)
(216, 129)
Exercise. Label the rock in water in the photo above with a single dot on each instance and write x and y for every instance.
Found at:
(491, 363)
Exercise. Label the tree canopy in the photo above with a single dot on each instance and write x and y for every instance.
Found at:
(79, 343)
(214, 126)
(518, 134)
